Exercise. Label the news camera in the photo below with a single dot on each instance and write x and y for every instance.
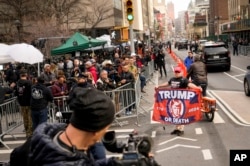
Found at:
(135, 151)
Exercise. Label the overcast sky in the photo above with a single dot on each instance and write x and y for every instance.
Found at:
(179, 5)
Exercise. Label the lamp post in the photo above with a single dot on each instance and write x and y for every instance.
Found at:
(18, 25)
(218, 25)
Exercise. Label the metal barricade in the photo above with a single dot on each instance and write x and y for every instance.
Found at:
(58, 105)
(124, 99)
(149, 70)
(10, 118)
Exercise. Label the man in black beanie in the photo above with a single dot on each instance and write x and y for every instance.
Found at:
(61, 144)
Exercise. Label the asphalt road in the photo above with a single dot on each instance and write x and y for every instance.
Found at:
(203, 143)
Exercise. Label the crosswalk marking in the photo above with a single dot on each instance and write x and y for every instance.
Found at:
(207, 154)
(16, 136)
(198, 131)
(218, 118)
(153, 134)
(14, 142)
(6, 151)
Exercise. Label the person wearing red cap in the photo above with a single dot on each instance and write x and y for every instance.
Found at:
(178, 81)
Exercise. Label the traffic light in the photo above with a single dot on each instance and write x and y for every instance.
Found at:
(130, 15)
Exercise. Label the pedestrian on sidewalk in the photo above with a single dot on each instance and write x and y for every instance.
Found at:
(188, 60)
(23, 93)
(161, 62)
(235, 47)
(179, 82)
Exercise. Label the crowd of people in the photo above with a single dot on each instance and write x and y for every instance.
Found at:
(83, 82)
(60, 78)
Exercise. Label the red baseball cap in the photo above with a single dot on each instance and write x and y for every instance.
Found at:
(177, 69)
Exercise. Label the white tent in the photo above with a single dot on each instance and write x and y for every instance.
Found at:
(106, 46)
(4, 57)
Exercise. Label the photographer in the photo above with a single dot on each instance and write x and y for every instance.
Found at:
(56, 144)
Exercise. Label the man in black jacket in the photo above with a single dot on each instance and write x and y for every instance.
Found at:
(161, 62)
(60, 145)
(40, 97)
(127, 77)
(198, 74)
(23, 93)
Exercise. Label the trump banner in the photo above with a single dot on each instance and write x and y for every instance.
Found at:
(177, 106)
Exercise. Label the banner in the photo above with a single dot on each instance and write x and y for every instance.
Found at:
(177, 106)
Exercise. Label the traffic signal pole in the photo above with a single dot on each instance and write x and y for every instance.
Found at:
(131, 36)
(130, 18)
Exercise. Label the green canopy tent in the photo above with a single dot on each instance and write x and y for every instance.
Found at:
(77, 42)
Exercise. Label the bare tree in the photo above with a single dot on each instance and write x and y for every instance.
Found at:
(94, 13)
(41, 18)
(11, 10)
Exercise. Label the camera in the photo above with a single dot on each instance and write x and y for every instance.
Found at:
(135, 151)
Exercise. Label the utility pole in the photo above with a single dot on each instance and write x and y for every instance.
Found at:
(131, 36)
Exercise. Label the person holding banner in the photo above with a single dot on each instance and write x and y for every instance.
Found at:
(175, 107)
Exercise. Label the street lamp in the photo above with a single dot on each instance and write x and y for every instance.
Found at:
(218, 25)
(18, 25)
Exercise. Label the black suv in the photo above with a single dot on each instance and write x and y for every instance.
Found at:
(182, 44)
(215, 54)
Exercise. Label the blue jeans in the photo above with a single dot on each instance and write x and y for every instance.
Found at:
(143, 81)
(39, 117)
(98, 151)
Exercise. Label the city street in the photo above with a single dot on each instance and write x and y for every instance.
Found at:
(203, 143)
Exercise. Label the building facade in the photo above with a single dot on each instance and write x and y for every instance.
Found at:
(238, 25)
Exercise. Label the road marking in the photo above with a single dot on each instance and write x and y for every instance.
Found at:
(207, 154)
(217, 118)
(123, 130)
(153, 134)
(15, 136)
(176, 146)
(238, 68)
(228, 110)
(198, 131)
(234, 77)
(14, 142)
(114, 155)
(6, 151)
(176, 138)
(239, 75)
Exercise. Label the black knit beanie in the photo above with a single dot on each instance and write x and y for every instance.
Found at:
(92, 110)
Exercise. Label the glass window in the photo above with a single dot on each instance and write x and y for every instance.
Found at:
(215, 49)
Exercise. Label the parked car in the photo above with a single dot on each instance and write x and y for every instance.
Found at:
(247, 82)
(182, 44)
(215, 54)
